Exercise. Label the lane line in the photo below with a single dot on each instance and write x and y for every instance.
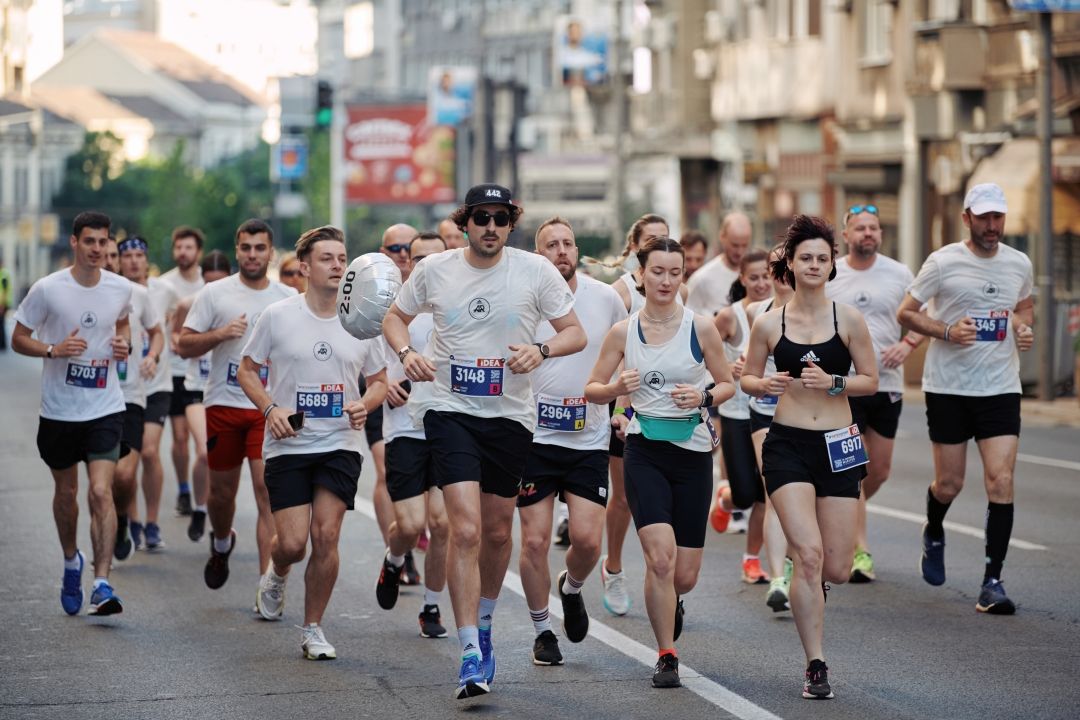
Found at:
(955, 527)
(692, 680)
(1048, 462)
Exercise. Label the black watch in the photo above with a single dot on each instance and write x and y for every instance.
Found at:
(545, 351)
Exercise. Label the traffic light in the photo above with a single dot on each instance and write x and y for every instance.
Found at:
(324, 105)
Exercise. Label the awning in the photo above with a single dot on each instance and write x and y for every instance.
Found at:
(1015, 167)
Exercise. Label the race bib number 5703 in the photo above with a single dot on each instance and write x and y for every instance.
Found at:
(479, 377)
(88, 373)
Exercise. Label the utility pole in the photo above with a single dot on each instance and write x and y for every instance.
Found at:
(1045, 311)
(619, 95)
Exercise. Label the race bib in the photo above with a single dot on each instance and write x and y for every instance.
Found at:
(990, 325)
(479, 377)
(121, 370)
(564, 414)
(92, 374)
(230, 378)
(767, 400)
(846, 449)
(145, 344)
(204, 367)
(325, 400)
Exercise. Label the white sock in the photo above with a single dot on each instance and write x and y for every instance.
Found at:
(571, 586)
(541, 620)
(98, 581)
(747, 556)
(73, 562)
(432, 597)
(200, 508)
(395, 560)
(273, 573)
(469, 637)
(223, 545)
(486, 612)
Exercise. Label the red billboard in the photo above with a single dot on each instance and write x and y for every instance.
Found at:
(393, 155)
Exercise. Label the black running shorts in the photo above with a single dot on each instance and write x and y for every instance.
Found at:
(879, 412)
(491, 451)
(182, 397)
(62, 444)
(410, 469)
(668, 484)
(737, 445)
(954, 419)
(291, 479)
(157, 407)
(552, 469)
(132, 435)
(793, 455)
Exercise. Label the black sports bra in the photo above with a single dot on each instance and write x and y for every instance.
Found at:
(832, 356)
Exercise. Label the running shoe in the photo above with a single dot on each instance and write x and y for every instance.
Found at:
(825, 588)
(680, 611)
(386, 589)
(411, 576)
(103, 601)
(752, 574)
(471, 682)
(616, 598)
(270, 600)
(862, 567)
(777, 595)
(431, 622)
(153, 538)
(183, 504)
(197, 526)
(718, 516)
(932, 562)
(216, 571)
(136, 529)
(488, 662)
(562, 533)
(789, 570)
(816, 685)
(740, 522)
(575, 616)
(124, 546)
(993, 600)
(546, 649)
(314, 644)
(666, 673)
(71, 592)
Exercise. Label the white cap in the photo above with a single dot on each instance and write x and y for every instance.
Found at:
(985, 198)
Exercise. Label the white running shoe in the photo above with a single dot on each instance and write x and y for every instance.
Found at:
(616, 599)
(314, 644)
(270, 602)
(740, 522)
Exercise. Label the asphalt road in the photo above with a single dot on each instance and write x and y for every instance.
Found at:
(897, 648)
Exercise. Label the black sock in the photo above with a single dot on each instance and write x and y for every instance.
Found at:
(999, 522)
(935, 515)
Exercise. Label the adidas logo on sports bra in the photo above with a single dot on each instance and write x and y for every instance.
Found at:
(810, 357)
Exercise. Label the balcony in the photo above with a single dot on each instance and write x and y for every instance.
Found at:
(757, 80)
(949, 57)
(1012, 52)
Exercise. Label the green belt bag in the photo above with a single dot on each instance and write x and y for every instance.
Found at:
(670, 429)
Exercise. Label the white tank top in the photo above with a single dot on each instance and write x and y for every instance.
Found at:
(738, 406)
(766, 404)
(662, 367)
(637, 300)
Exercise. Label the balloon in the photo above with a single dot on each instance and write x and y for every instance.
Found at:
(366, 292)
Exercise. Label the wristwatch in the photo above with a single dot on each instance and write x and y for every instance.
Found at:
(48, 351)
(545, 351)
(403, 352)
(839, 383)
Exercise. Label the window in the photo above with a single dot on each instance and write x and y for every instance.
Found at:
(875, 26)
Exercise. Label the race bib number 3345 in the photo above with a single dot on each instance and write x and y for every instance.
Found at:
(991, 326)
(479, 377)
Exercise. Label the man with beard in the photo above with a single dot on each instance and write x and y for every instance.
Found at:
(486, 301)
(981, 312)
(876, 285)
(221, 319)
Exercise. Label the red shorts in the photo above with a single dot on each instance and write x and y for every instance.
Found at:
(233, 434)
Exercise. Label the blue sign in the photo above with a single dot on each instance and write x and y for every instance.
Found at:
(1046, 5)
(290, 159)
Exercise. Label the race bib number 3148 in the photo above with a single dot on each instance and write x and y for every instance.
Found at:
(479, 377)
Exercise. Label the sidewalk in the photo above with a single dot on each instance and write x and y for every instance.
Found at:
(1063, 412)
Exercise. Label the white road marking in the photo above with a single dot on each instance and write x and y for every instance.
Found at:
(1048, 462)
(955, 527)
(692, 680)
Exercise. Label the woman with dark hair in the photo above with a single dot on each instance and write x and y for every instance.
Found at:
(813, 458)
(670, 356)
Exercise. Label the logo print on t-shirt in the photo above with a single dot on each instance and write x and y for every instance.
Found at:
(322, 350)
(654, 379)
(862, 298)
(990, 290)
(88, 319)
(479, 308)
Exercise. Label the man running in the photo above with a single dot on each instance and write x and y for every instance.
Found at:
(80, 317)
(707, 290)
(981, 312)
(487, 301)
(221, 319)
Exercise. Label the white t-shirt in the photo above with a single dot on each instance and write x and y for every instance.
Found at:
(216, 305)
(563, 417)
(315, 365)
(478, 314)
(957, 283)
(877, 293)
(708, 288)
(85, 387)
(397, 422)
(143, 316)
(162, 296)
(182, 288)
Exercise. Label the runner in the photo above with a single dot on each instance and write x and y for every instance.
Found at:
(981, 313)
(568, 458)
(669, 356)
(876, 285)
(813, 456)
(451, 234)
(80, 317)
(313, 414)
(412, 477)
(221, 319)
(486, 300)
(289, 273)
(707, 291)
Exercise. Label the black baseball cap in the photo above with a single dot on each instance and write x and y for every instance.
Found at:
(488, 194)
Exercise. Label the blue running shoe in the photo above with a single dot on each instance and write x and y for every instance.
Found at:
(471, 682)
(993, 600)
(153, 537)
(104, 602)
(932, 562)
(71, 592)
(489, 655)
(136, 534)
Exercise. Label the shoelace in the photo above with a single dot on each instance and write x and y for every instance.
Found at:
(312, 633)
(616, 584)
(274, 588)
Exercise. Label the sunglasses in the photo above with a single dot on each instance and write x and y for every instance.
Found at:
(396, 247)
(483, 217)
(418, 258)
(288, 273)
(856, 209)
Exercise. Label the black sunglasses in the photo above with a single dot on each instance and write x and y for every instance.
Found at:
(288, 273)
(418, 258)
(856, 209)
(483, 217)
(396, 247)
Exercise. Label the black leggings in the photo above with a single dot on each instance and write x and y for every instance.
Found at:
(741, 462)
(668, 484)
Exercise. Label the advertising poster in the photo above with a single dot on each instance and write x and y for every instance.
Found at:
(581, 53)
(451, 90)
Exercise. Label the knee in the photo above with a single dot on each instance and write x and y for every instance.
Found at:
(100, 494)
(999, 486)
(498, 535)
(150, 453)
(465, 534)
(437, 527)
(291, 550)
(661, 563)
(535, 545)
(811, 559)
(587, 544)
(409, 527)
(324, 537)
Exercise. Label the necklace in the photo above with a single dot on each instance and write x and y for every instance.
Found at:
(658, 322)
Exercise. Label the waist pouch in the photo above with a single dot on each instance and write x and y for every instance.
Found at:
(669, 429)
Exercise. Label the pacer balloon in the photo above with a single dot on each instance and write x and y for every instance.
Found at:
(366, 292)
